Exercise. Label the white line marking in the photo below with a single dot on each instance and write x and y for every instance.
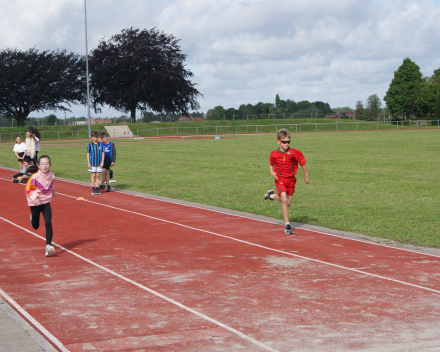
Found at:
(248, 218)
(200, 315)
(271, 249)
(260, 246)
(29, 317)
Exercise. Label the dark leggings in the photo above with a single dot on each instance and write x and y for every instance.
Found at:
(47, 215)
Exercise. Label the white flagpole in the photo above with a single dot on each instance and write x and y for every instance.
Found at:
(87, 69)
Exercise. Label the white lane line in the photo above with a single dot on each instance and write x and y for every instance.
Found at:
(260, 246)
(29, 317)
(200, 315)
(248, 218)
(268, 248)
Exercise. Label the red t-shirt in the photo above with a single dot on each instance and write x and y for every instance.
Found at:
(286, 163)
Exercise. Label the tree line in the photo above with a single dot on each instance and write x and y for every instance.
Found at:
(134, 70)
(281, 108)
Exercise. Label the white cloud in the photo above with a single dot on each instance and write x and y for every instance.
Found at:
(247, 51)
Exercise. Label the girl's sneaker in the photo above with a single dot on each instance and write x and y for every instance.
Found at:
(50, 250)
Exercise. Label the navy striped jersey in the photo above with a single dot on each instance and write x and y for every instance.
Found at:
(95, 151)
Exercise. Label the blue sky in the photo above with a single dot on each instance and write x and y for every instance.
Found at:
(247, 51)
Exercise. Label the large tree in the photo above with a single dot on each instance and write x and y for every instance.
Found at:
(37, 81)
(141, 70)
(401, 97)
(429, 96)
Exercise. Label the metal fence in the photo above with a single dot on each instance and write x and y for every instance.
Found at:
(241, 129)
(301, 127)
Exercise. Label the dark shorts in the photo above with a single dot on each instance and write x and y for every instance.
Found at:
(285, 185)
(107, 164)
(20, 155)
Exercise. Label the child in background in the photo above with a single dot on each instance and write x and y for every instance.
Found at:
(22, 176)
(36, 135)
(283, 166)
(30, 145)
(39, 191)
(20, 151)
(95, 161)
(109, 160)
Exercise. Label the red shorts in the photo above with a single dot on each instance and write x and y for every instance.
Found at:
(285, 185)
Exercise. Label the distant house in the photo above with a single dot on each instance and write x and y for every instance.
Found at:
(94, 121)
(190, 118)
(100, 121)
(342, 114)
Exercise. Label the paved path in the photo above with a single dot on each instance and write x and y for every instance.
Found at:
(16, 335)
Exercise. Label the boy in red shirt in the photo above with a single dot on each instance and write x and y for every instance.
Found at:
(283, 167)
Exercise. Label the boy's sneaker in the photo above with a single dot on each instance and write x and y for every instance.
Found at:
(102, 188)
(97, 192)
(109, 188)
(110, 173)
(15, 180)
(268, 194)
(93, 190)
(50, 250)
(288, 230)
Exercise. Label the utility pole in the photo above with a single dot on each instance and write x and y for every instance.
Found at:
(87, 68)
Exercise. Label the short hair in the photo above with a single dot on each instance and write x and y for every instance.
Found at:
(282, 133)
(94, 134)
(102, 135)
(25, 161)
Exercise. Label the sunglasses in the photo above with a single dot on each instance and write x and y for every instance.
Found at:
(285, 142)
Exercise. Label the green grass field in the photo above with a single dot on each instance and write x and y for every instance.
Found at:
(378, 183)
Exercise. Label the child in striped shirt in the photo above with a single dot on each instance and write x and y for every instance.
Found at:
(39, 191)
(95, 161)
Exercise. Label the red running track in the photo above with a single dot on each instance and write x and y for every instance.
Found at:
(133, 273)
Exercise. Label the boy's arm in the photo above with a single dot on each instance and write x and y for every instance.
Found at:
(272, 172)
(88, 160)
(306, 175)
(113, 154)
(102, 160)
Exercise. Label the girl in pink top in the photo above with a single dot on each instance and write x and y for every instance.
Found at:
(39, 191)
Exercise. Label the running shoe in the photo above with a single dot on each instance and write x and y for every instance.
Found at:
(110, 173)
(93, 190)
(102, 188)
(109, 188)
(23, 181)
(97, 191)
(288, 230)
(15, 181)
(50, 250)
(268, 194)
